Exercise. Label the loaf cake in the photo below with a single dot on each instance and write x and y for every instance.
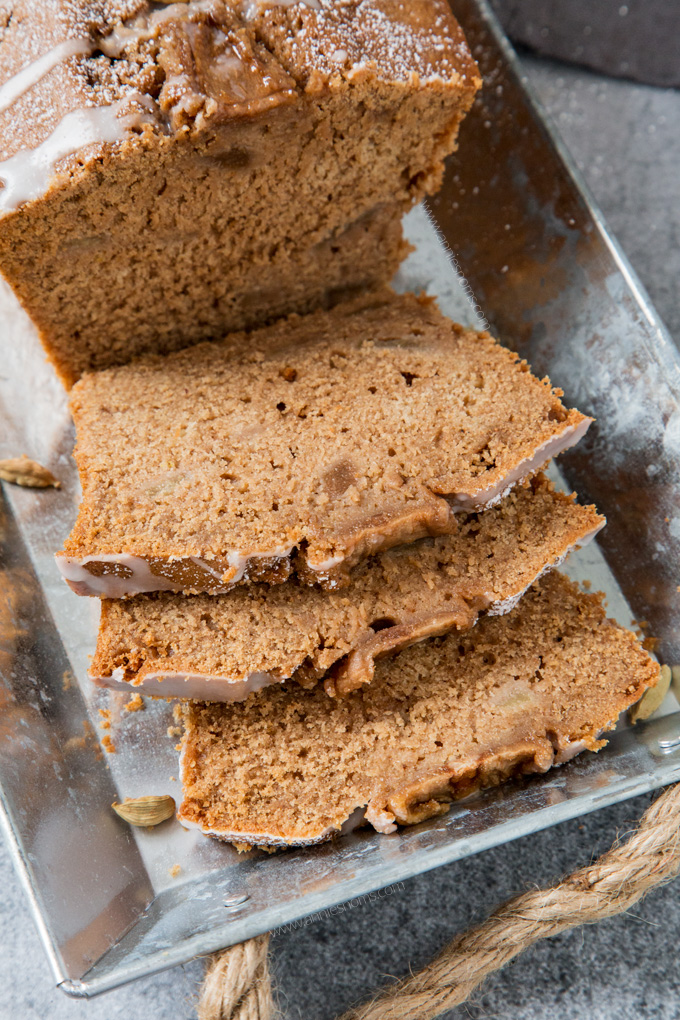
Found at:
(301, 448)
(174, 171)
(224, 647)
(515, 695)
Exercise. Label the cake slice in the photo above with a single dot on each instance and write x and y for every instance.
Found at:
(223, 647)
(303, 447)
(516, 695)
(173, 171)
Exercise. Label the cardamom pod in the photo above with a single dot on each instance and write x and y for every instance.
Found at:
(145, 810)
(24, 471)
(652, 698)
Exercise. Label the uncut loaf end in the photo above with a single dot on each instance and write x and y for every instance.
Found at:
(172, 172)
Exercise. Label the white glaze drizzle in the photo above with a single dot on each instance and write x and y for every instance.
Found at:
(26, 175)
(483, 499)
(239, 562)
(321, 566)
(251, 8)
(198, 686)
(115, 42)
(112, 45)
(110, 586)
(32, 74)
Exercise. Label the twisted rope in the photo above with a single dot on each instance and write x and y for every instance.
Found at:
(613, 884)
(237, 984)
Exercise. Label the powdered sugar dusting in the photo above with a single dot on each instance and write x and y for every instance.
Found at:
(422, 43)
(26, 175)
(33, 72)
(251, 8)
(93, 53)
(431, 52)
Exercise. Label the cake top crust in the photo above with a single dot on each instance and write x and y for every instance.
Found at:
(203, 62)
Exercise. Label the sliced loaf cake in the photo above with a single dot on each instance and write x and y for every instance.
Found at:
(303, 447)
(224, 647)
(515, 695)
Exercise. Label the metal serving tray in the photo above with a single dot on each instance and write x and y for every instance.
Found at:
(552, 281)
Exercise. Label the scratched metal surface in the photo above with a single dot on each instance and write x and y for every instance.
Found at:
(550, 279)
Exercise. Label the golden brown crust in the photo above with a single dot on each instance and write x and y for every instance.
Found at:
(170, 55)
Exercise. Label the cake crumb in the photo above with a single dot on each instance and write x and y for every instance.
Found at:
(82, 743)
(105, 724)
(175, 870)
(135, 704)
(67, 680)
(108, 744)
(174, 731)
(75, 744)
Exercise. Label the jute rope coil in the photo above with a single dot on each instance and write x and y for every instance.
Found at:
(237, 984)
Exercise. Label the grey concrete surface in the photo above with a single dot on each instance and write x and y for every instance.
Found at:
(626, 138)
(637, 40)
